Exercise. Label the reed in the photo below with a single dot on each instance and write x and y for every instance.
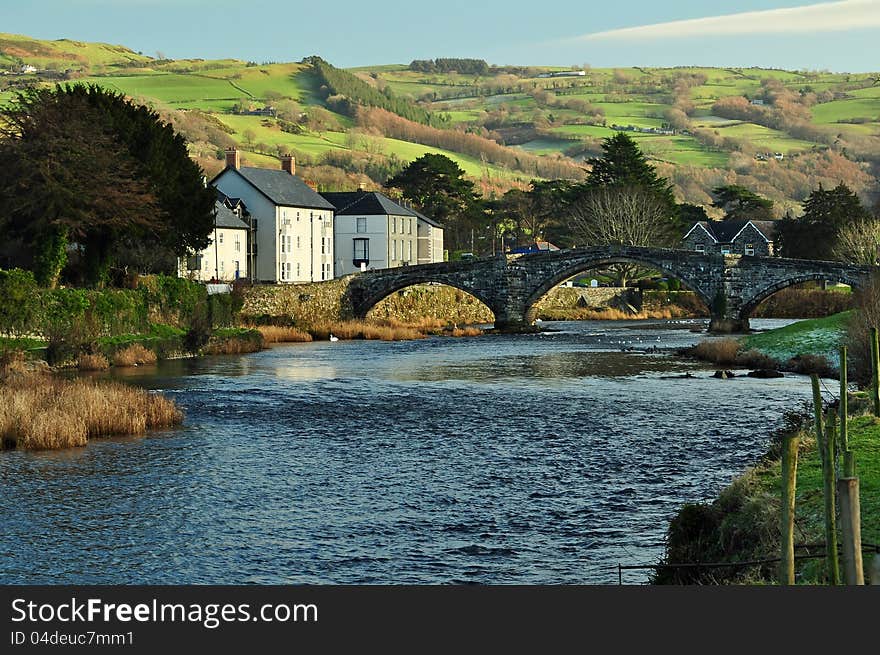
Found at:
(608, 314)
(348, 330)
(280, 334)
(92, 362)
(42, 412)
(134, 355)
(719, 351)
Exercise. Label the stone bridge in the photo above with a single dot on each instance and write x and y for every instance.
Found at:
(731, 286)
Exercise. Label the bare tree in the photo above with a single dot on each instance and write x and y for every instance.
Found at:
(629, 216)
(859, 242)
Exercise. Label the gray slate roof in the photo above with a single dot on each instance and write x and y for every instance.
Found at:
(365, 203)
(726, 231)
(282, 188)
(227, 218)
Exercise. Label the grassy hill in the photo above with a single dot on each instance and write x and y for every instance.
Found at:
(827, 125)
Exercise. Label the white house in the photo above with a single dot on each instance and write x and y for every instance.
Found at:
(292, 223)
(225, 258)
(372, 231)
(430, 240)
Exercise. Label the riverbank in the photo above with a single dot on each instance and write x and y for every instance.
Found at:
(808, 346)
(41, 411)
(742, 524)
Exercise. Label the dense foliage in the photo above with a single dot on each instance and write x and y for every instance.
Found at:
(87, 166)
(450, 65)
(344, 92)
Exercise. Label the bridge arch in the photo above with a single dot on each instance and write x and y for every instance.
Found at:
(586, 263)
(749, 305)
(363, 300)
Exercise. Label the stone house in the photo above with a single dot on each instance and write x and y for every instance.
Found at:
(732, 237)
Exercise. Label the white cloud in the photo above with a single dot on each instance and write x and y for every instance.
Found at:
(825, 17)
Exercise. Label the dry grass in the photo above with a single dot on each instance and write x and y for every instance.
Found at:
(41, 412)
(134, 355)
(278, 334)
(719, 351)
(609, 314)
(348, 330)
(465, 332)
(89, 362)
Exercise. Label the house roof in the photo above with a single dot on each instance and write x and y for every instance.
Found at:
(727, 231)
(428, 220)
(281, 187)
(537, 246)
(228, 218)
(365, 203)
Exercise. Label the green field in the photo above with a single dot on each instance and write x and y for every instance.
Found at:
(765, 138)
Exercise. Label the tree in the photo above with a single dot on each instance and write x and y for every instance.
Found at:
(631, 216)
(437, 185)
(815, 235)
(859, 241)
(85, 166)
(739, 203)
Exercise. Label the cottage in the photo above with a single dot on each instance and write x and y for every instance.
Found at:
(292, 224)
(372, 231)
(732, 237)
(225, 258)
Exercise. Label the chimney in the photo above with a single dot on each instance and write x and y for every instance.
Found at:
(361, 186)
(233, 158)
(288, 164)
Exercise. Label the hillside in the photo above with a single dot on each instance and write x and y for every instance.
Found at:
(781, 133)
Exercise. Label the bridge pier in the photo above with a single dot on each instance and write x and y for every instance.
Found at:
(725, 325)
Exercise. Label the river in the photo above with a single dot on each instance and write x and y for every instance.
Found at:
(546, 458)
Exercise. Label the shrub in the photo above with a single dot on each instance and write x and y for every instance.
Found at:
(134, 355)
(719, 351)
(92, 362)
(19, 302)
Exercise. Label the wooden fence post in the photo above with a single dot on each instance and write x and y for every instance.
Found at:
(789, 486)
(849, 466)
(875, 371)
(851, 530)
(829, 472)
(817, 413)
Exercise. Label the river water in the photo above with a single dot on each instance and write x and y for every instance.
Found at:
(546, 458)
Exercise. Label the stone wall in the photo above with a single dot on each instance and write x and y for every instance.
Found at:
(304, 304)
(571, 297)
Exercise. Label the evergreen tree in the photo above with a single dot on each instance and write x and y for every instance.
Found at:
(815, 234)
(85, 166)
(437, 185)
(739, 203)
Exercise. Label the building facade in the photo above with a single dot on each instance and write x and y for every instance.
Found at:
(225, 259)
(371, 231)
(732, 237)
(292, 224)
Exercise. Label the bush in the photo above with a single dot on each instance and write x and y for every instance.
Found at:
(19, 302)
(92, 362)
(134, 355)
(719, 351)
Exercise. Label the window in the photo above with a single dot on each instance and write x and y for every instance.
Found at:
(362, 224)
(297, 269)
(393, 249)
(700, 248)
(288, 270)
(220, 237)
(282, 244)
(410, 252)
(297, 242)
(237, 243)
(297, 217)
(361, 251)
(221, 265)
(289, 241)
(323, 246)
(409, 224)
(394, 225)
(749, 249)
(282, 271)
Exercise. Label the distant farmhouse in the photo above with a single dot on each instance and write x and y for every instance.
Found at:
(732, 237)
(564, 74)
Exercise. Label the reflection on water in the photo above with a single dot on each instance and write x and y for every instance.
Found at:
(541, 458)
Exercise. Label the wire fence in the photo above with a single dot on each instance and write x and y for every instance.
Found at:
(866, 548)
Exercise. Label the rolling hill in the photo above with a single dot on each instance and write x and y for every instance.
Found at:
(781, 133)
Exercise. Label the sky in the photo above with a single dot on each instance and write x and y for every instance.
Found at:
(841, 35)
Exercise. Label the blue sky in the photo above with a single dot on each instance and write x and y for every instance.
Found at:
(840, 35)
